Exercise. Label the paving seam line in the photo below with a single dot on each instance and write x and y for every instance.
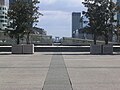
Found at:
(53, 66)
(68, 74)
(47, 72)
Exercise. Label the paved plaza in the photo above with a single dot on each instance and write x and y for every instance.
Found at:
(59, 71)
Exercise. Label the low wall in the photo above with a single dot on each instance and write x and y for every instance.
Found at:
(58, 49)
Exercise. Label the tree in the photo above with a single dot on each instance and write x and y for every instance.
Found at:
(23, 15)
(107, 27)
(101, 17)
(117, 30)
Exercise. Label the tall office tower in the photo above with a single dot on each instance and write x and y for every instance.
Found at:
(3, 15)
(2, 2)
(76, 23)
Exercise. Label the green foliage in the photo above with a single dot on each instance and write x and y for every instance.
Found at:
(101, 17)
(22, 15)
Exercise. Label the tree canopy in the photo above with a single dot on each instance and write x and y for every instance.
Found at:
(101, 17)
(22, 15)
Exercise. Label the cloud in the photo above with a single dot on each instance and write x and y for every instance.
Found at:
(73, 2)
(57, 23)
(64, 5)
(48, 2)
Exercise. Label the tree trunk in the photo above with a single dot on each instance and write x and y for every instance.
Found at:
(94, 39)
(28, 38)
(117, 38)
(18, 39)
(106, 39)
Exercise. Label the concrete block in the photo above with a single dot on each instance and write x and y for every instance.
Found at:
(95, 49)
(17, 49)
(28, 49)
(108, 49)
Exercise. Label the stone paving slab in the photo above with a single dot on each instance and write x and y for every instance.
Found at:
(23, 72)
(61, 71)
(93, 72)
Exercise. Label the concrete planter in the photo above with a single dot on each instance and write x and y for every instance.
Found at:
(17, 49)
(95, 49)
(107, 49)
(28, 49)
(23, 49)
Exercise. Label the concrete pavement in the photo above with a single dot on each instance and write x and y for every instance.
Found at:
(59, 71)
(93, 72)
(23, 72)
(57, 77)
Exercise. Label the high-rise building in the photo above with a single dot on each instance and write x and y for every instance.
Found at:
(77, 23)
(2, 2)
(3, 15)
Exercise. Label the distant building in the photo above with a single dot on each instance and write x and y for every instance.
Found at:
(118, 14)
(76, 23)
(116, 17)
(39, 31)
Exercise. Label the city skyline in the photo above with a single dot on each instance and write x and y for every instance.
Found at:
(57, 19)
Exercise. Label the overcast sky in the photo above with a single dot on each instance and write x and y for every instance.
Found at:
(57, 16)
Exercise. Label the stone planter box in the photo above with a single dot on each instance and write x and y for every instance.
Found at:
(17, 49)
(23, 49)
(28, 49)
(95, 49)
(108, 49)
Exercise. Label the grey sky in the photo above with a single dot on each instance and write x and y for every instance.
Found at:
(57, 16)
